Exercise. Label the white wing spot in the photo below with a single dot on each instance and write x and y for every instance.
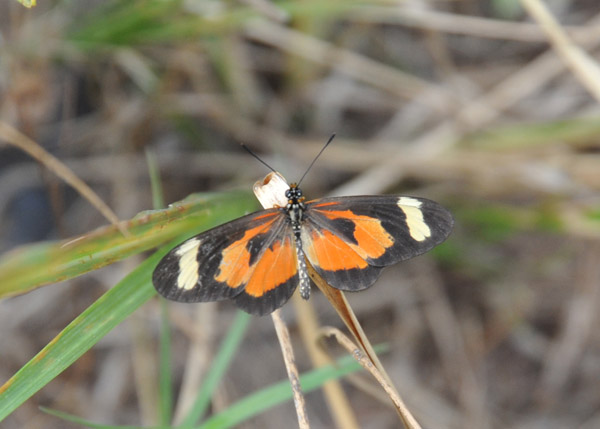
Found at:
(417, 227)
(188, 264)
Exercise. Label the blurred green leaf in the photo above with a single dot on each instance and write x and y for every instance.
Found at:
(28, 3)
(494, 223)
(255, 403)
(86, 423)
(594, 215)
(31, 266)
(152, 22)
(547, 219)
(81, 334)
(218, 368)
(34, 265)
(280, 392)
(572, 131)
(165, 382)
(507, 9)
(448, 253)
(491, 223)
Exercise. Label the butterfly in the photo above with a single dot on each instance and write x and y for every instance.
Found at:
(259, 260)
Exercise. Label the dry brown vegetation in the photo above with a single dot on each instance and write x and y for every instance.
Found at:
(489, 107)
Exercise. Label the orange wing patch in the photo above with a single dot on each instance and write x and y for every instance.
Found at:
(331, 252)
(234, 269)
(275, 267)
(372, 238)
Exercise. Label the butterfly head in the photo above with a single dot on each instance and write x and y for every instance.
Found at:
(294, 194)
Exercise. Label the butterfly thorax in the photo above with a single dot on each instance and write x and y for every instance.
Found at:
(295, 210)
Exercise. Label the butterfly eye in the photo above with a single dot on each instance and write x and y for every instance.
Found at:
(288, 193)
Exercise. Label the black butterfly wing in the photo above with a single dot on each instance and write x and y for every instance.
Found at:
(348, 240)
(251, 260)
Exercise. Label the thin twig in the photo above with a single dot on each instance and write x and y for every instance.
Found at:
(342, 307)
(580, 318)
(267, 192)
(18, 139)
(336, 400)
(475, 114)
(290, 364)
(367, 364)
(349, 63)
(453, 23)
(581, 64)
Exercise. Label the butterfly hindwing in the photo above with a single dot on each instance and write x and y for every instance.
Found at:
(273, 279)
(348, 240)
(251, 260)
(334, 258)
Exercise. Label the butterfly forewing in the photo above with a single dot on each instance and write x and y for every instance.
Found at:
(247, 259)
(349, 239)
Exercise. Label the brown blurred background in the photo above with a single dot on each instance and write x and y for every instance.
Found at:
(469, 103)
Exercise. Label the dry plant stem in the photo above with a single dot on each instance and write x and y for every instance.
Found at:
(583, 67)
(290, 364)
(349, 63)
(268, 9)
(341, 306)
(367, 364)
(16, 138)
(444, 22)
(308, 325)
(579, 323)
(445, 329)
(477, 113)
(245, 90)
(338, 300)
(266, 191)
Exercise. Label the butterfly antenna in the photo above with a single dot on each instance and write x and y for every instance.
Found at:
(317, 157)
(257, 157)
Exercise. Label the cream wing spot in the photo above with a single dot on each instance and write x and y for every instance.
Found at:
(188, 264)
(417, 227)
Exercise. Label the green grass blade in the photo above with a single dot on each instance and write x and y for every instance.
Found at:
(183, 218)
(220, 364)
(165, 392)
(165, 383)
(158, 201)
(568, 131)
(278, 393)
(31, 266)
(81, 334)
(255, 403)
(155, 22)
(86, 423)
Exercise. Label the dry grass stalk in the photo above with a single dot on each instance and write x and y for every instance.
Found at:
(583, 66)
(290, 364)
(342, 307)
(337, 401)
(367, 363)
(18, 139)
